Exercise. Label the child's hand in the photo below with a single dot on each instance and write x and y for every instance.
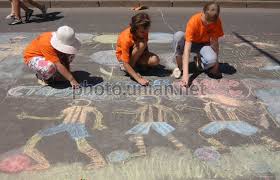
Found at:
(143, 81)
(75, 84)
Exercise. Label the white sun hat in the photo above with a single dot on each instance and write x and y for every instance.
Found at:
(65, 41)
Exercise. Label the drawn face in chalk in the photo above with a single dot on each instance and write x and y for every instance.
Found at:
(148, 100)
(80, 102)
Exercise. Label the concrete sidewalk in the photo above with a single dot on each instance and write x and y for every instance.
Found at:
(153, 3)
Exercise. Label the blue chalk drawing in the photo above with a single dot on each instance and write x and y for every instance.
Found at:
(239, 127)
(75, 130)
(107, 58)
(207, 154)
(157, 82)
(161, 128)
(12, 68)
(271, 97)
(159, 37)
(261, 168)
(162, 82)
(270, 68)
(22, 38)
(118, 156)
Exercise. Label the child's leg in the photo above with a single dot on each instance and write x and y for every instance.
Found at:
(23, 6)
(17, 18)
(43, 68)
(12, 8)
(148, 59)
(137, 52)
(209, 59)
(16, 7)
(179, 61)
(178, 46)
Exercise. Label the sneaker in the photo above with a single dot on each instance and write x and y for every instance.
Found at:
(42, 82)
(176, 73)
(28, 15)
(44, 11)
(16, 21)
(10, 16)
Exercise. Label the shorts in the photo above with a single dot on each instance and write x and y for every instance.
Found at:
(208, 55)
(43, 68)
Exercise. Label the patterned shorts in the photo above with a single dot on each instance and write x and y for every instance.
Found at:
(44, 69)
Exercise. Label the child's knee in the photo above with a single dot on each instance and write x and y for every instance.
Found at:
(141, 46)
(179, 36)
(209, 57)
(50, 70)
(154, 60)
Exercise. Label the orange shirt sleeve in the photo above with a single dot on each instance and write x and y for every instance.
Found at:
(50, 54)
(219, 32)
(125, 47)
(190, 29)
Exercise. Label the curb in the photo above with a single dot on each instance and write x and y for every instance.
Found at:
(150, 3)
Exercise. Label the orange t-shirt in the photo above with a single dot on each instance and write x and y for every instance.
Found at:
(124, 44)
(197, 32)
(41, 46)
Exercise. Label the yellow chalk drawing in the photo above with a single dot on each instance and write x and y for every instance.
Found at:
(147, 119)
(214, 142)
(106, 39)
(273, 144)
(74, 121)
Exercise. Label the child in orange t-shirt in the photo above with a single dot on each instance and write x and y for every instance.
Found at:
(132, 47)
(52, 52)
(201, 37)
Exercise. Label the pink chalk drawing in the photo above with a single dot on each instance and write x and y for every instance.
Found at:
(207, 154)
(15, 163)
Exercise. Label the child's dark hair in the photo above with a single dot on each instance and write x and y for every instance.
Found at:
(206, 6)
(140, 19)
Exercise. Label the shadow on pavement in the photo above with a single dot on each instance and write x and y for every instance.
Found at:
(258, 49)
(84, 79)
(53, 16)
